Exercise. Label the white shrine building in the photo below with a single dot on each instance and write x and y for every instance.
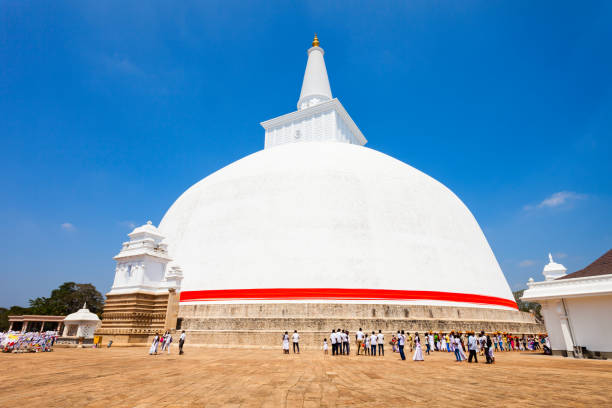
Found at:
(313, 229)
(577, 308)
(81, 324)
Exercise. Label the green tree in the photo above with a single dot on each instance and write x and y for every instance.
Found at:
(13, 311)
(68, 298)
(4, 323)
(528, 306)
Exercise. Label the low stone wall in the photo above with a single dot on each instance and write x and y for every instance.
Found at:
(262, 325)
(350, 310)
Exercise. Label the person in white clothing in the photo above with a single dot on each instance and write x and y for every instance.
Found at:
(332, 339)
(430, 341)
(462, 348)
(286, 343)
(324, 346)
(181, 342)
(345, 342)
(373, 339)
(162, 340)
(472, 346)
(367, 345)
(296, 342)
(401, 339)
(381, 343)
(418, 351)
(168, 342)
(359, 338)
(153, 349)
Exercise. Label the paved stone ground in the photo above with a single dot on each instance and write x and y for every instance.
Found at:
(128, 377)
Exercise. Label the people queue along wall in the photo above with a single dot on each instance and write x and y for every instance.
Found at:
(456, 342)
(17, 342)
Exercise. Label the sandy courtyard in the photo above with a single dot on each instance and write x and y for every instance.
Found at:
(128, 377)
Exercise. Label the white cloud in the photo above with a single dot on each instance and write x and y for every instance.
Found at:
(557, 199)
(68, 227)
(526, 262)
(559, 255)
(560, 198)
(128, 224)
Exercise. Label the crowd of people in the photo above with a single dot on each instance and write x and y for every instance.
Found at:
(464, 346)
(17, 342)
(162, 342)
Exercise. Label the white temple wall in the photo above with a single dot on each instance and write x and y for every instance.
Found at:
(591, 321)
(153, 271)
(553, 324)
(147, 272)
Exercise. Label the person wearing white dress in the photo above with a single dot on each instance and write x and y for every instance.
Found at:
(325, 347)
(462, 349)
(430, 339)
(418, 351)
(286, 343)
(153, 349)
(167, 342)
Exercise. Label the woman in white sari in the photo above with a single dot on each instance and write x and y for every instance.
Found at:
(153, 349)
(461, 347)
(418, 352)
(286, 343)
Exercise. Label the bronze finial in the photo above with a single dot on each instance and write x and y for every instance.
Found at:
(315, 42)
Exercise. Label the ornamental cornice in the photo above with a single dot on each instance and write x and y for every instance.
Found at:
(333, 104)
(574, 287)
(138, 253)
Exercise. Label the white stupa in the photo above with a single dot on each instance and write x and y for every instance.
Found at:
(317, 217)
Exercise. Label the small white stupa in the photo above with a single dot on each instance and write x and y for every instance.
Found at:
(82, 323)
(553, 270)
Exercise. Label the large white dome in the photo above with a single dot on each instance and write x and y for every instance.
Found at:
(325, 222)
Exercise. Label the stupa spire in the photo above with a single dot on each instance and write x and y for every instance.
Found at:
(315, 87)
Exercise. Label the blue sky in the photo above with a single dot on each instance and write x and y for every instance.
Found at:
(109, 111)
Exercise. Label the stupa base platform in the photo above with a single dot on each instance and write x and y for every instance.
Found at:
(133, 319)
(261, 325)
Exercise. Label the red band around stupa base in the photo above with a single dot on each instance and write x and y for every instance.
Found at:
(340, 294)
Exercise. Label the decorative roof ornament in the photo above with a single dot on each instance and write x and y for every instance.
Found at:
(315, 42)
(553, 270)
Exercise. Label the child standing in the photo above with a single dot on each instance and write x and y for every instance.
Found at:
(325, 346)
